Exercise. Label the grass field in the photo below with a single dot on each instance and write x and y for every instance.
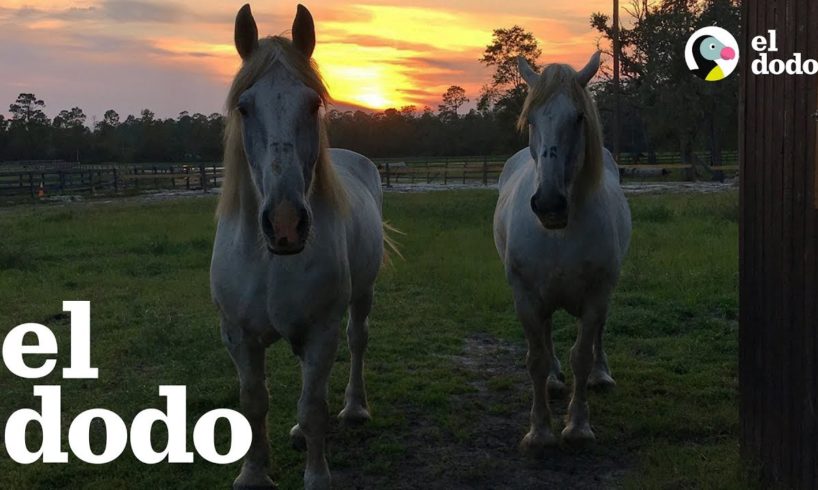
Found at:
(672, 422)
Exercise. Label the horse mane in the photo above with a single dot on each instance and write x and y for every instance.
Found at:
(557, 78)
(325, 182)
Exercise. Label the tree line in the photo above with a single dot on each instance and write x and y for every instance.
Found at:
(663, 107)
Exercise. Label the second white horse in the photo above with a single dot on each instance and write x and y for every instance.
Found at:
(562, 228)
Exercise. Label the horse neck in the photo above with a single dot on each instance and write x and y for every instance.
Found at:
(586, 191)
(248, 202)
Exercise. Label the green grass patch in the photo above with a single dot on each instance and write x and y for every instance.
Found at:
(671, 336)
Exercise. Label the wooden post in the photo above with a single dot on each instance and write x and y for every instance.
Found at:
(215, 180)
(62, 180)
(485, 171)
(465, 169)
(388, 176)
(31, 184)
(202, 177)
(428, 177)
(446, 172)
(116, 181)
(617, 103)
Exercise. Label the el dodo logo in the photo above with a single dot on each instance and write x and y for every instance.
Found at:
(712, 53)
(17, 356)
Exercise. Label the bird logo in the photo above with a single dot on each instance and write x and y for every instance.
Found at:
(712, 53)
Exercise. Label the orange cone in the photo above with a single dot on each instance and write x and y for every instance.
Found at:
(41, 191)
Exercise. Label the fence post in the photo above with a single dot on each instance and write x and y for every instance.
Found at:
(388, 175)
(202, 177)
(485, 171)
(62, 181)
(31, 184)
(465, 169)
(116, 181)
(215, 180)
(446, 172)
(428, 176)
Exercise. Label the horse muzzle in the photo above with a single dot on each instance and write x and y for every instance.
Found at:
(554, 222)
(552, 212)
(286, 228)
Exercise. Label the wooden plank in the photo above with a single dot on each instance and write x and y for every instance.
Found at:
(808, 338)
(785, 246)
(748, 209)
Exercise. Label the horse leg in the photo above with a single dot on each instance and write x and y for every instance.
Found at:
(313, 411)
(247, 353)
(600, 376)
(578, 428)
(556, 380)
(355, 405)
(538, 361)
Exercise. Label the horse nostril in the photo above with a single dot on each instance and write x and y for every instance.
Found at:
(267, 223)
(561, 204)
(534, 204)
(303, 226)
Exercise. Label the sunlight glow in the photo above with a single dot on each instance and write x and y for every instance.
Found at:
(373, 57)
(372, 54)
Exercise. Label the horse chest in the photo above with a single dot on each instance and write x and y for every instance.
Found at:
(278, 294)
(564, 273)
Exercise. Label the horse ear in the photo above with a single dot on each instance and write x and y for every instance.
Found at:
(246, 32)
(529, 75)
(304, 31)
(587, 73)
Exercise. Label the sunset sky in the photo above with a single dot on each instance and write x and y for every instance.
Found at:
(170, 56)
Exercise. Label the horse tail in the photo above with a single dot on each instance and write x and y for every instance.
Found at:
(390, 245)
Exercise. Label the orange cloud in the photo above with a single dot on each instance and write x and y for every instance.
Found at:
(377, 53)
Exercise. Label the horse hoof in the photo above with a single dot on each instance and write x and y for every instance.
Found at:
(297, 439)
(535, 445)
(556, 387)
(317, 480)
(578, 435)
(601, 380)
(353, 415)
(270, 486)
(253, 480)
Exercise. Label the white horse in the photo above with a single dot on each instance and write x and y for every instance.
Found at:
(562, 228)
(299, 238)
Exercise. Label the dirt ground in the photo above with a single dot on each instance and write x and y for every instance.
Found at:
(488, 458)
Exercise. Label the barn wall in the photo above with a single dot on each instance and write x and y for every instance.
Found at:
(778, 244)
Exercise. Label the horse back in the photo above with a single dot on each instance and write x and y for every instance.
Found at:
(363, 221)
(358, 173)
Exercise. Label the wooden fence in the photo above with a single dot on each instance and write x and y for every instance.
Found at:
(43, 181)
(108, 179)
(778, 339)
